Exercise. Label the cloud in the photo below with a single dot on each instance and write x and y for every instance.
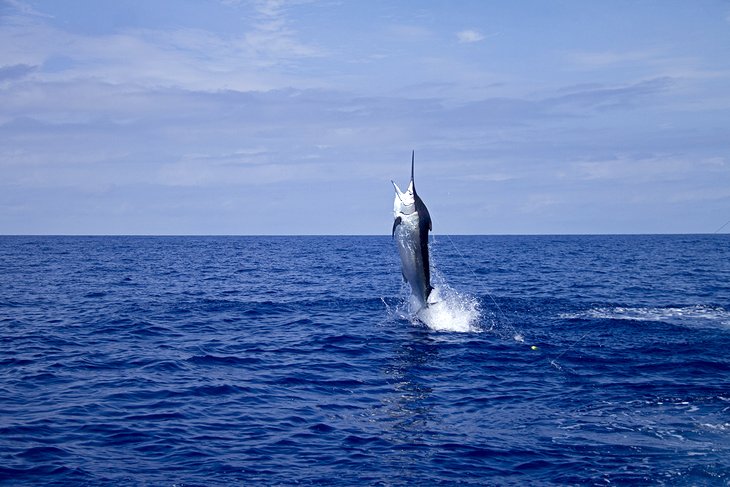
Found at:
(88, 133)
(469, 36)
(602, 97)
(272, 38)
(206, 172)
(410, 32)
(23, 8)
(16, 71)
(646, 169)
(611, 58)
(263, 54)
(192, 117)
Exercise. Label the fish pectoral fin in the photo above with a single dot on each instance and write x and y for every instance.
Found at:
(398, 192)
(397, 222)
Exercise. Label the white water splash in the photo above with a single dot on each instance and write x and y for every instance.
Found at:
(449, 310)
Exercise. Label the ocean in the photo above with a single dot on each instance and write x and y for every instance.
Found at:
(212, 361)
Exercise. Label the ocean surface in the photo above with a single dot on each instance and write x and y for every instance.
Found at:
(211, 361)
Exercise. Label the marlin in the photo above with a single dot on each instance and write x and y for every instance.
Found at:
(410, 232)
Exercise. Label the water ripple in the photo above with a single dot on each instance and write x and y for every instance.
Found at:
(294, 361)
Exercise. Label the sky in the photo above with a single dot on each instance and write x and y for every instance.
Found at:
(200, 117)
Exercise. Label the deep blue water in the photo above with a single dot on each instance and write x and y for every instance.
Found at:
(594, 360)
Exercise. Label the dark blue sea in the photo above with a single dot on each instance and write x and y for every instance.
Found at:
(216, 361)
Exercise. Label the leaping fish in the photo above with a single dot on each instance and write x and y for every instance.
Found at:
(410, 232)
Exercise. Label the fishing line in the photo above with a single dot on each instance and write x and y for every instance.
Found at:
(516, 335)
(572, 345)
(718, 230)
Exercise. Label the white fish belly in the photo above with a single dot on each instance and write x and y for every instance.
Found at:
(409, 248)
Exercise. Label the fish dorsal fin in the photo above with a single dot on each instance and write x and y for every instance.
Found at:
(413, 157)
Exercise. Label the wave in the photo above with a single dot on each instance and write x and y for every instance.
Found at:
(676, 315)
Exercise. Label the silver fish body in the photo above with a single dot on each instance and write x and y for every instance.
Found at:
(410, 232)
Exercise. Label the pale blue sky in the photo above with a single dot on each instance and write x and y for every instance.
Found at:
(291, 117)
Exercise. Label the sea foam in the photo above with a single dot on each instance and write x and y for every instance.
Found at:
(448, 309)
(678, 315)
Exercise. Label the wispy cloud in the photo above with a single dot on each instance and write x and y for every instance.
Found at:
(409, 32)
(631, 169)
(16, 71)
(190, 114)
(607, 58)
(259, 57)
(602, 97)
(469, 36)
(272, 39)
(24, 8)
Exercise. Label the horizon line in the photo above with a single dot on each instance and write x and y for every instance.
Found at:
(347, 234)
